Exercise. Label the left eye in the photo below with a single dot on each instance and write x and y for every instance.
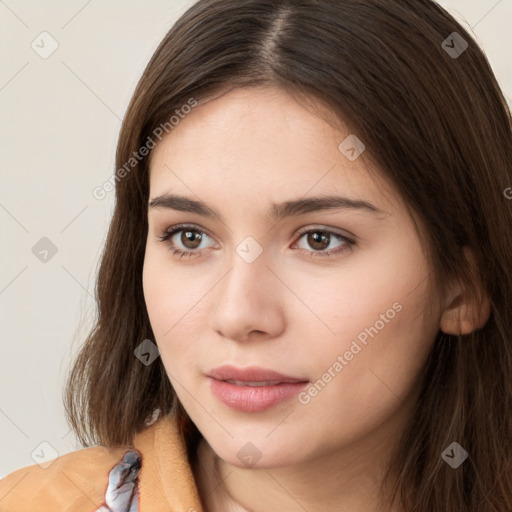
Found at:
(318, 239)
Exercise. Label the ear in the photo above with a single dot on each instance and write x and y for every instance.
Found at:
(464, 311)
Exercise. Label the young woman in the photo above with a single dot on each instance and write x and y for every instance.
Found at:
(304, 298)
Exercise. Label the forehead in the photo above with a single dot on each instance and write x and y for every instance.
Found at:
(260, 143)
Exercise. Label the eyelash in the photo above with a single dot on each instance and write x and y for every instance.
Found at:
(169, 233)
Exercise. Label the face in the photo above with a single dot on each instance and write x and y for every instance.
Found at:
(332, 296)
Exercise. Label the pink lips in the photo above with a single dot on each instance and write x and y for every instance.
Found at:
(250, 374)
(249, 398)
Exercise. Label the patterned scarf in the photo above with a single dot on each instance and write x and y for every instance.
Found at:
(122, 494)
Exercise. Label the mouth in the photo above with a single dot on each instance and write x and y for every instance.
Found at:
(253, 389)
(252, 376)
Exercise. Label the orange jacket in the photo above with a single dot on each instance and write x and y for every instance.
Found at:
(152, 476)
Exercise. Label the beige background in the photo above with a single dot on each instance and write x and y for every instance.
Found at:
(59, 121)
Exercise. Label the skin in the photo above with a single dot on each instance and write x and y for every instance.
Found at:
(288, 310)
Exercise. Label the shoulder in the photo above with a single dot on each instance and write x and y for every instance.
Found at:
(153, 474)
(75, 481)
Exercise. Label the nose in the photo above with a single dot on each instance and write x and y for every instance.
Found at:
(248, 301)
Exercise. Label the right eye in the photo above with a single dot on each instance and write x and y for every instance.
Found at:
(186, 244)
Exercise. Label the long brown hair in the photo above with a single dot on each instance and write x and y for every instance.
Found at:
(437, 125)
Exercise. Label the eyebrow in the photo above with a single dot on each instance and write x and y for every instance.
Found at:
(276, 211)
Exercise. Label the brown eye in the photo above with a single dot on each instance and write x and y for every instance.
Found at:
(187, 243)
(318, 240)
(191, 239)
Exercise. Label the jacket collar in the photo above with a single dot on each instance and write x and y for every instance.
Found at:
(166, 480)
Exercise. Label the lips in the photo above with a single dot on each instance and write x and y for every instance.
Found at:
(251, 376)
(253, 389)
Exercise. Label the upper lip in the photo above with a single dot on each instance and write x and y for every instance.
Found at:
(250, 374)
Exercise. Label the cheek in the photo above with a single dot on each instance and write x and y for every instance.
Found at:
(175, 304)
(341, 303)
(169, 293)
(155, 296)
(374, 337)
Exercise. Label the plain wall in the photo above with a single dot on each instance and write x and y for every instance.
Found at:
(59, 121)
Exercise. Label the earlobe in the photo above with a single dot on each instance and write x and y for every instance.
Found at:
(466, 318)
(465, 312)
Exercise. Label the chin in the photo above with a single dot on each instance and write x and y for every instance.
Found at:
(257, 455)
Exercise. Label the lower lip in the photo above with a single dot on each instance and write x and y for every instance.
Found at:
(254, 398)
